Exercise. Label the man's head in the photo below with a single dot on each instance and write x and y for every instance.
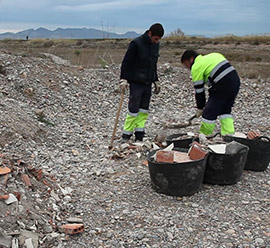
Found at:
(155, 32)
(188, 58)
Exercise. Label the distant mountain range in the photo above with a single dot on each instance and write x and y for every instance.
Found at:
(66, 33)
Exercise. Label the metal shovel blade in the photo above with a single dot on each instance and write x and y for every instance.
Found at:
(180, 125)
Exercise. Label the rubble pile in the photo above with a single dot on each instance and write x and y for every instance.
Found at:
(60, 185)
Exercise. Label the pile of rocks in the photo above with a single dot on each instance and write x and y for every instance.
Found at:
(57, 120)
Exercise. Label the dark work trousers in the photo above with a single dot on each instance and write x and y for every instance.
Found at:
(139, 97)
(222, 96)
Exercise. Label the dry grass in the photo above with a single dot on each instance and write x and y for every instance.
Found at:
(249, 54)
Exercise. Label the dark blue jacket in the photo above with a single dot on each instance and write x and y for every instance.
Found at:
(140, 61)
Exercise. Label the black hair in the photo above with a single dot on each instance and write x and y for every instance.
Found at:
(188, 54)
(157, 30)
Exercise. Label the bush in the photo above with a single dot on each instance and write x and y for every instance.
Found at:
(48, 44)
(255, 42)
(77, 52)
(79, 43)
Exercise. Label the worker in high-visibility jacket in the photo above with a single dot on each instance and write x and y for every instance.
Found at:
(223, 85)
(138, 72)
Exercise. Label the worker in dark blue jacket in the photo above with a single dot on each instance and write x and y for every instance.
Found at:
(139, 71)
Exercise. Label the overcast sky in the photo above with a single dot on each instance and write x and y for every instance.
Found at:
(200, 17)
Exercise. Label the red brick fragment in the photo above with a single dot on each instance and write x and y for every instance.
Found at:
(37, 173)
(18, 195)
(46, 183)
(145, 163)
(164, 156)
(5, 180)
(4, 197)
(4, 170)
(196, 152)
(26, 180)
(52, 223)
(71, 228)
(253, 134)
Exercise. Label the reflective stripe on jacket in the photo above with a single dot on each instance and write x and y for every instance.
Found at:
(210, 69)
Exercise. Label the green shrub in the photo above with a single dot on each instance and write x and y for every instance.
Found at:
(77, 52)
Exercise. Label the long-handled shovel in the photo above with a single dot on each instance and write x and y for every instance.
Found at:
(117, 117)
(160, 137)
(181, 125)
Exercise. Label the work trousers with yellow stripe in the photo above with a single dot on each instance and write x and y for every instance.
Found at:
(221, 99)
(138, 106)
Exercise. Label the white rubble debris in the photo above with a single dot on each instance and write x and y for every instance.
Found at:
(58, 118)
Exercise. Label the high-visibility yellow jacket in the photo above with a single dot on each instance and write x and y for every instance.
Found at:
(208, 68)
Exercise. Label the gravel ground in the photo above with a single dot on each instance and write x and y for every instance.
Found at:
(59, 118)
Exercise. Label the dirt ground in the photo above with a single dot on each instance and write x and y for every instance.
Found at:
(249, 56)
(58, 100)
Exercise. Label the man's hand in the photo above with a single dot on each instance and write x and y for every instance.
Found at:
(157, 87)
(123, 84)
(199, 112)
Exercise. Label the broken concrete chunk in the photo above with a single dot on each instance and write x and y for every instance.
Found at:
(124, 146)
(169, 148)
(155, 147)
(28, 235)
(28, 243)
(136, 148)
(47, 228)
(55, 196)
(75, 152)
(181, 157)
(55, 207)
(54, 234)
(74, 220)
(138, 155)
(140, 144)
(239, 135)
(191, 134)
(66, 190)
(15, 243)
(218, 148)
(5, 241)
(202, 138)
(11, 199)
(148, 144)
(21, 224)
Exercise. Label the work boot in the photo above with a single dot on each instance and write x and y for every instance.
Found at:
(139, 136)
(125, 138)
